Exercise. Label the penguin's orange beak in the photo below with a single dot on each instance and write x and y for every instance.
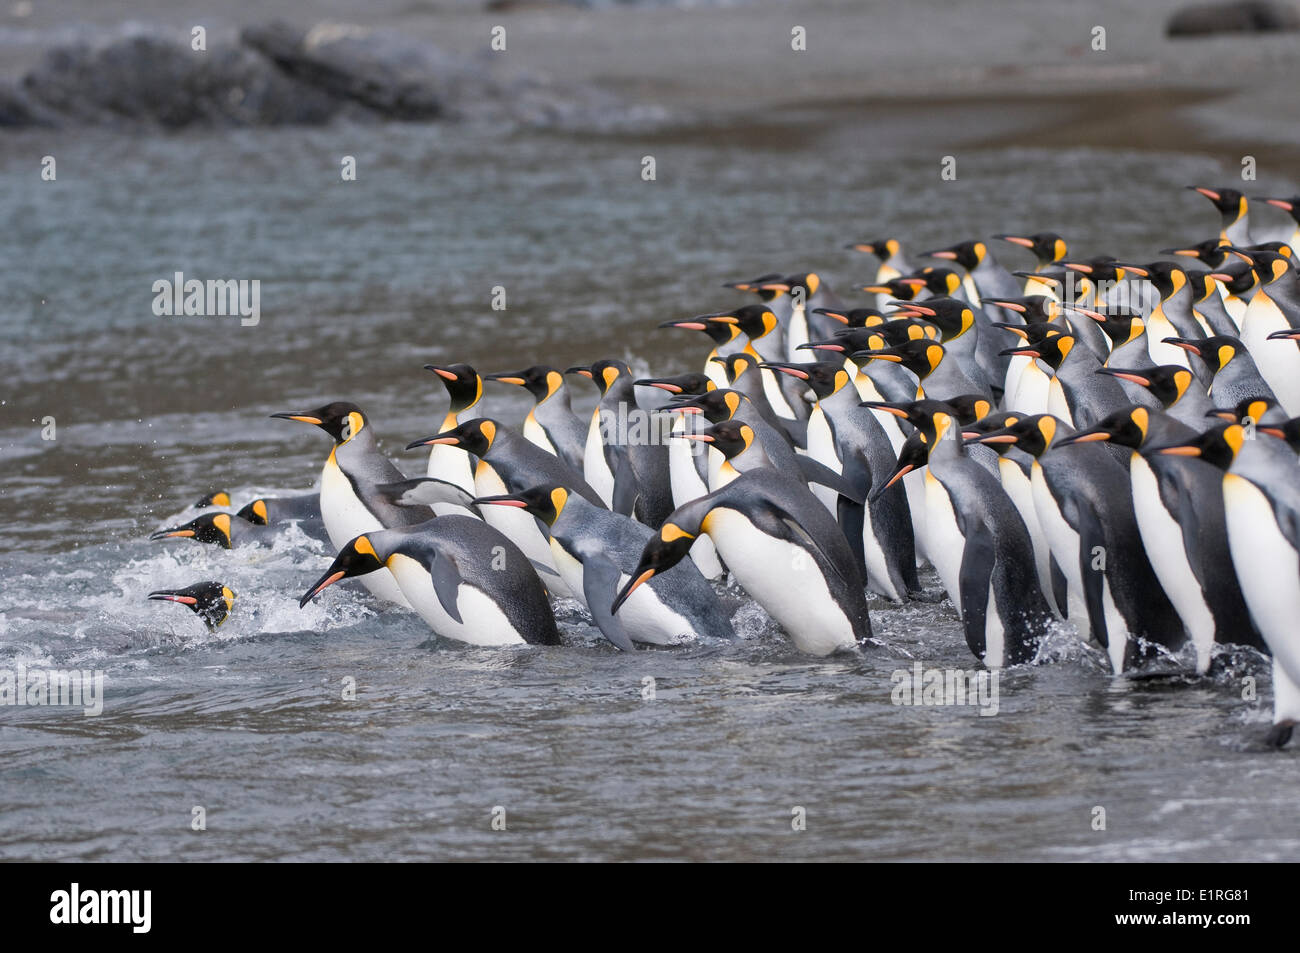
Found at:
(301, 418)
(321, 586)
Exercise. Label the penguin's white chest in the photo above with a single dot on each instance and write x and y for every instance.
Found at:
(482, 621)
(595, 469)
(1268, 567)
(821, 447)
(944, 541)
(346, 517)
(537, 435)
(785, 580)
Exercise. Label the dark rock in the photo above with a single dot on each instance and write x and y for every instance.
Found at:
(1252, 16)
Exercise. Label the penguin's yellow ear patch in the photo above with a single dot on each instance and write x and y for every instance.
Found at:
(1047, 427)
(1226, 353)
(229, 598)
(1234, 436)
(259, 507)
(1182, 380)
(222, 522)
(609, 374)
(1142, 419)
(554, 380)
(559, 496)
(813, 282)
(363, 545)
(489, 430)
(671, 532)
(732, 402)
(1059, 250)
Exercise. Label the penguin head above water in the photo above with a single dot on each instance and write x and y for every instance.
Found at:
(755, 321)
(1166, 382)
(1035, 434)
(1218, 445)
(540, 380)
(342, 420)
(357, 558)
(823, 377)
(216, 498)
(1048, 247)
(473, 436)
(1216, 351)
(212, 528)
(967, 254)
(464, 386)
(546, 501)
(210, 601)
(691, 384)
(254, 512)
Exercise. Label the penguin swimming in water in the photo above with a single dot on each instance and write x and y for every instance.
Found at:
(783, 547)
(597, 551)
(210, 601)
(1261, 499)
(551, 423)
(465, 579)
(302, 509)
(1085, 506)
(1179, 511)
(219, 498)
(352, 500)
(220, 529)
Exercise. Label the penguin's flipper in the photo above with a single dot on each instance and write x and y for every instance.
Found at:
(600, 584)
(543, 569)
(626, 488)
(974, 580)
(852, 516)
(446, 583)
(425, 491)
(1092, 537)
(891, 516)
(1060, 588)
(773, 519)
(816, 472)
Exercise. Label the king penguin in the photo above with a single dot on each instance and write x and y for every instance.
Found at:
(212, 602)
(451, 464)
(551, 423)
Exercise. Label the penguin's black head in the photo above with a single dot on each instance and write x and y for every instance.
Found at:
(1034, 435)
(463, 384)
(848, 340)
(824, 377)
(666, 549)
(1287, 431)
(730, 437)
(952, 317)
(718, 332)
(767, 287)
(806, 282)
(736, 364)
(1215, 351)
(605, 372)
(1218, 446)
(254, 512)
(1210, 252)
(208, 528)
(1237, 276)
(216, 498)
(691, 384)
(1120, 325)
(920, 357)
(938, 281)
(341, 420)
(754, 320)
(1034, 309)
(1127, 428)
(1048, 247)
(1051, 349)
(855, 317)
(546, 502)
(716, 405)
(914, 454)
(1269, 266)
(473, 436)
(1167, 382)
(1102, 268)
(988, 424)
(1249, 411)
(1291, 206)
(355, 559)
(967, 254)
(210, 601)
(1168, 277)
(904, 289)
(918, 413)
(882, 248)
(968, 408)
(540, 380)
(1230, 203)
